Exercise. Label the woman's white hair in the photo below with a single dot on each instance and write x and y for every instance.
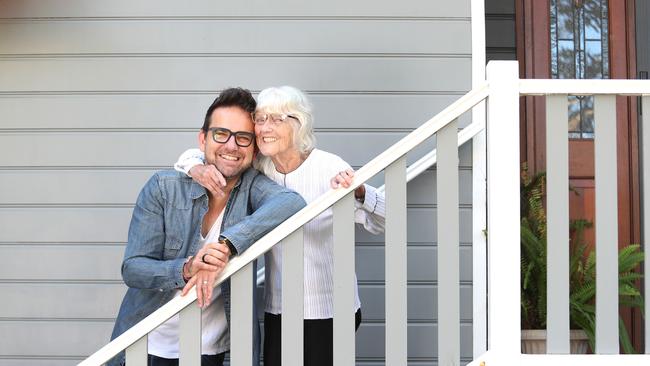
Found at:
(288, 100)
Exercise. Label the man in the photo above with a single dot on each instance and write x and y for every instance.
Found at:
(181, 234)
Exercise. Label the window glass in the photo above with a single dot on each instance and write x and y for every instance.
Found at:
(579, 50)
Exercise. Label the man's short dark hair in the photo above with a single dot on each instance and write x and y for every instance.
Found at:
(231, 97)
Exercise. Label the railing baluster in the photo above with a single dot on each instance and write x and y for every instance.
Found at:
(448, 246)
(241, 316)
(479, 245)
(645, 146)
(343, 228)
(292, 299)
(136, 354)
(396, 264)
(557, 204)
(190, 335)
(606, 225)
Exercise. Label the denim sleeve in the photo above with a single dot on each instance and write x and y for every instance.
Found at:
(271, 204)
(143, 266)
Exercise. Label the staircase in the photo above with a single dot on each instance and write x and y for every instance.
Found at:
(502, 306)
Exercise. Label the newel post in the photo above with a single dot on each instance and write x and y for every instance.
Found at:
(504, 328)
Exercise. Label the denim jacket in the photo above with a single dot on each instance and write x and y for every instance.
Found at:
(166, 227)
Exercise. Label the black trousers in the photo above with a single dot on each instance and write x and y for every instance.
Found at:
(318, 344)
(206, 360)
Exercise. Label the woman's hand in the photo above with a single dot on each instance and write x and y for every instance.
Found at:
(344, 179)
(209, 177)
(205, 267)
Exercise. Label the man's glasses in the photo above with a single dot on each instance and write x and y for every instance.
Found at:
(276, 118)
(222, 135)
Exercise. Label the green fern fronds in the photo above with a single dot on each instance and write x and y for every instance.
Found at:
(582, 267)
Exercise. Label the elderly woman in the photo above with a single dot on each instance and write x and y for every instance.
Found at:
(285, 138)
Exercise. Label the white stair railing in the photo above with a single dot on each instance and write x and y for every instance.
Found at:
(134, 340)
(503, 242)
(414, 170)
(503, 216)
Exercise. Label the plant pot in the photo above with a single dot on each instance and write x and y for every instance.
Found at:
(533, 341)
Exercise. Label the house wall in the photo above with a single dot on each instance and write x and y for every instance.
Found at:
(500, 30)
(96, 96)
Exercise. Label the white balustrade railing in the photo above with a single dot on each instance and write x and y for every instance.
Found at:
(239, 269)
(503, 224)
(502, 92)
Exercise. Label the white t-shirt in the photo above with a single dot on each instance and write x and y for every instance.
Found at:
(163, 341)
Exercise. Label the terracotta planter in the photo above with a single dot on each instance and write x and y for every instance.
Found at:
(534, 341)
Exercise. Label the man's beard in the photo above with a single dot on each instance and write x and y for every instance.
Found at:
(233, 174)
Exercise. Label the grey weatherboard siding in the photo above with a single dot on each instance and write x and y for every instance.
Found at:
(96, 96)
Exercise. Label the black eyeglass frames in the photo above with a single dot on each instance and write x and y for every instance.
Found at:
(222, 135)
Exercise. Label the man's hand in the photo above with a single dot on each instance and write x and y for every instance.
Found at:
(211, 259)
(214, 254)
(344, 179)
(209, 177)
(202, 261)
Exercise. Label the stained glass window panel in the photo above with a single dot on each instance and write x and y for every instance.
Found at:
(579, 49)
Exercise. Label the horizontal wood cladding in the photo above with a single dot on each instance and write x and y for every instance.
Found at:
(500, 32)
(20, 360)
(422, 341)
(70, 338)
(210, 8)
(120, 188)
(99, 263)
(343, 110)
(422, 263)
(54, 338)
(65, 300)
(500, 7)
(209, 74)
(70, 301)
(65, 225)
(62, 263)
(161, 149)
(110, 225)
(235, 36)
(422, 302)
(97, 95)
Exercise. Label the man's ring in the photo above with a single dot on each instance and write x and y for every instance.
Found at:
(205, 282)
(203, 258)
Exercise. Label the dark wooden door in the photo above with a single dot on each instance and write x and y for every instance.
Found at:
(534, 54)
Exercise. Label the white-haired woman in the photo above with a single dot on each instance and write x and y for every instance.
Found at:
(285, 138)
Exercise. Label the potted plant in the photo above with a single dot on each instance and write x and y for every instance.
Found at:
(582, 275)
